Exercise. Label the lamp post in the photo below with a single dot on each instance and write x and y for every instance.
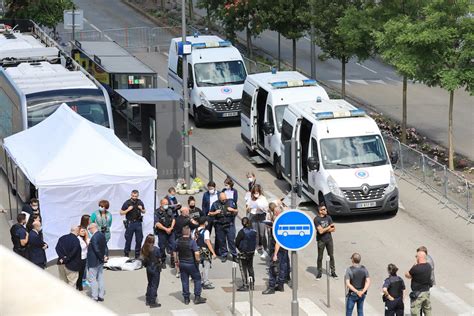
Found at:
(186, 148)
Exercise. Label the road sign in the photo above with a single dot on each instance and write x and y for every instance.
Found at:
(78, 19)
(293, 230)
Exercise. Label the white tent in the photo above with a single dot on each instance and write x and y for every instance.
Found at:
(75, 163)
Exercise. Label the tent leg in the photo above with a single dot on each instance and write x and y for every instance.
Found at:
(8, 184)
(16, 189)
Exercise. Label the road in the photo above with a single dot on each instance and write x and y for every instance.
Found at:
(380, 240)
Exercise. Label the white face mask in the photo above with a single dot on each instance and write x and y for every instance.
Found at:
(34, 208)
(165, 207)
(256, 195)
(212, 191)
(101, 209)
(250, 179)
(227, 187)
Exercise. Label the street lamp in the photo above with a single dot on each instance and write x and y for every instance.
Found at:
(186, 146)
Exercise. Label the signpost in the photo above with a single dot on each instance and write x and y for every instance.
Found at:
(294, 230)
(73, 20)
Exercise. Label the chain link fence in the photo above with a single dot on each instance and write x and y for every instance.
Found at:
(454, 189)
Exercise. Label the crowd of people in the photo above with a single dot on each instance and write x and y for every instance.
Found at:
(181, 239)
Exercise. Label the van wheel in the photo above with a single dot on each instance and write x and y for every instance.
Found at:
(197, 118)
(393, 213)
(278, 169)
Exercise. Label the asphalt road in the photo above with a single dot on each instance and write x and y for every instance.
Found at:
(380, 240)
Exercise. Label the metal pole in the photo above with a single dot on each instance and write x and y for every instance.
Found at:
(313, 47)
(279, 51)
(193, 161)
(445, 184)
(73, 23)
(8, 184)
(210, 170)
(293, 173)
(185, 100)
(327, 281)
(16, 188)
(234, 287)
(251, 295)
(294, 278)
(423, 167)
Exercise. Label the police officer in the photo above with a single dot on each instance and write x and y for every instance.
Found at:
(278, 264)
(206, 251)
(188, 260)
(133, 209)
(20, 236)
(183, 220)
(164, 228)
(223, 211)
(246, 242)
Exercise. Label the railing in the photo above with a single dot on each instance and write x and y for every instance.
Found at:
(254, 67)
(453, 188)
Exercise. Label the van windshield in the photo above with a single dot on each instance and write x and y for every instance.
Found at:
(220, 73)
(353, 152)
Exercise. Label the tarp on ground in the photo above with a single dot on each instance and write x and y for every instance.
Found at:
(74, 164)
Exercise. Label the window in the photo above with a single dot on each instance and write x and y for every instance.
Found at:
(314, 148)
(179, 68)
(279, 111)
(190, 75)
(220, 73)
(246, 104)
(286, 131)
(270, 115)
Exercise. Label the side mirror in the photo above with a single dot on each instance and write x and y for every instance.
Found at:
(268, 128)
(190, 84)
(313, 163)
(394, 157)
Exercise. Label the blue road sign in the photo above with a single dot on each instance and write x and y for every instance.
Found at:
(293, 230)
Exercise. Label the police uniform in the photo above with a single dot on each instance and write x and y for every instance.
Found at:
(225, 228)
(18, 232)
(395, 287)
(133, 225)
(186, 247)
(166, 242)
(246, 242)
(278, 270)
(153, 272)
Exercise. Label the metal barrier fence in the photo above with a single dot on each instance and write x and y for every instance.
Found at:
(254, 67)
(452, 187)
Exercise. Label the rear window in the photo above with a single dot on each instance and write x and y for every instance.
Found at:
(286, 131)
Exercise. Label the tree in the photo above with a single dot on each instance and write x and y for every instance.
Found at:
(44, 12)
(290, 18)
(239, 15)
(211, 7)
(391, 17)
(343, 30)
(444, 39)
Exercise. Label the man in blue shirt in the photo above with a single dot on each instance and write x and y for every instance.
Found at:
(19, 236)
(69, 262)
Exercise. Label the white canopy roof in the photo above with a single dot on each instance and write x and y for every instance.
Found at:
(67, 150)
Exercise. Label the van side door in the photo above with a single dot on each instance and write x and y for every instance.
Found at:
(313, 175)
(246, 114)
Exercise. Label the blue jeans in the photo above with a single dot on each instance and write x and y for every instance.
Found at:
(190, 269)
(133, 228)
(279, 279)
(352, 299)
(95, 275)
(153, 277)
(226, 237)
(166, 243)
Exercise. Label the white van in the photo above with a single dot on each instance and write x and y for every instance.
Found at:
(342, 160)
(264, 100)
(216, 78)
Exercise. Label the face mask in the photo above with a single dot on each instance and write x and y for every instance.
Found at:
(171, 196)
(223, 202)
(256, 195)
(250, 179)
(191, 205)
(34, 208)
(212, 191)
(101, 209)
(165, 207)
(227, 187)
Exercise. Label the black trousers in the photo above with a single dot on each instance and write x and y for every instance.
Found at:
(329, 246)
(246, 267)
(82, 269)
(153, 276)
(395, 307)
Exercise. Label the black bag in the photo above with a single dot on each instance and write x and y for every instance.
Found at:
(414, 295)
(125, 223)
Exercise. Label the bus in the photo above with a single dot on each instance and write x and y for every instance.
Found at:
(294, 229)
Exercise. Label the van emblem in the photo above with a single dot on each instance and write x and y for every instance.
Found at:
(362, 174)
(365, 189)
(228, 101)
(226, 90)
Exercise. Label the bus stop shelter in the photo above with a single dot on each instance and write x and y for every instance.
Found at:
(161, 121)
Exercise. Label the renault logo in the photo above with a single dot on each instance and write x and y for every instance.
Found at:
(365, 189)
(228, 101)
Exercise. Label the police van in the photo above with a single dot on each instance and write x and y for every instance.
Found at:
(341, 158)
(264, 100)
(216, 75)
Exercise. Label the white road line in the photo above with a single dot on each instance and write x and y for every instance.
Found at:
(451, 300)
(365, 67)
(184, 312)
(470, 285)
(163, 79)
(97, 29)
(377, 81)
(244, 309)
(310, 308)
(340, 81)
(359, 81)
(368, 309)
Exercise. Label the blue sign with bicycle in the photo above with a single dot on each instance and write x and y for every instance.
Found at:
(293, 230)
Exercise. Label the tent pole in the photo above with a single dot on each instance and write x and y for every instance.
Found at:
(16, 189)
(8, 184)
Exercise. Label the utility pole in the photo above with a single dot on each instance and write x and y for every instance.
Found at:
(73, 23)
(313, 47)
(185, 102)
(294, 254)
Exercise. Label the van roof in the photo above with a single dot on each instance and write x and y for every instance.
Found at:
(20, 46)
(291, 94)
(213, 54)
(38, 77)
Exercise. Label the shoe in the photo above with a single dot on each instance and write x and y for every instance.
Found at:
(79, 288)
(186, 301)
(100, 299)
(223, 259)
(126, 254)
(163, 265)
(234, 258)
(154, 305)
(319, 276)
(172, 264)
(334, 275)
(280, 288)
(147, 304)
(85, 283)
(208, 286)
(199, 300)
(178, 275)
(269, 290)
(243, 288)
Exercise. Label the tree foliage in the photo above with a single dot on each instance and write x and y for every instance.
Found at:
(44, 12)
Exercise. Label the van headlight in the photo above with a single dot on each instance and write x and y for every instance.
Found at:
(204, 100)
(393, 183)
(334, 188)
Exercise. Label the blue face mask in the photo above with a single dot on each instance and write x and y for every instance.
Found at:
(171, 196)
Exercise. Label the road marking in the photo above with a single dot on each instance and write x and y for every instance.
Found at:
(377, 81)
(184, 312)
(164, 80)
(310, 308)
(368, 309)
(451, 300)
(340, 81)
(98, 30)
(244, 309)
(470, 285)
(365, 67)
(359, 81)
